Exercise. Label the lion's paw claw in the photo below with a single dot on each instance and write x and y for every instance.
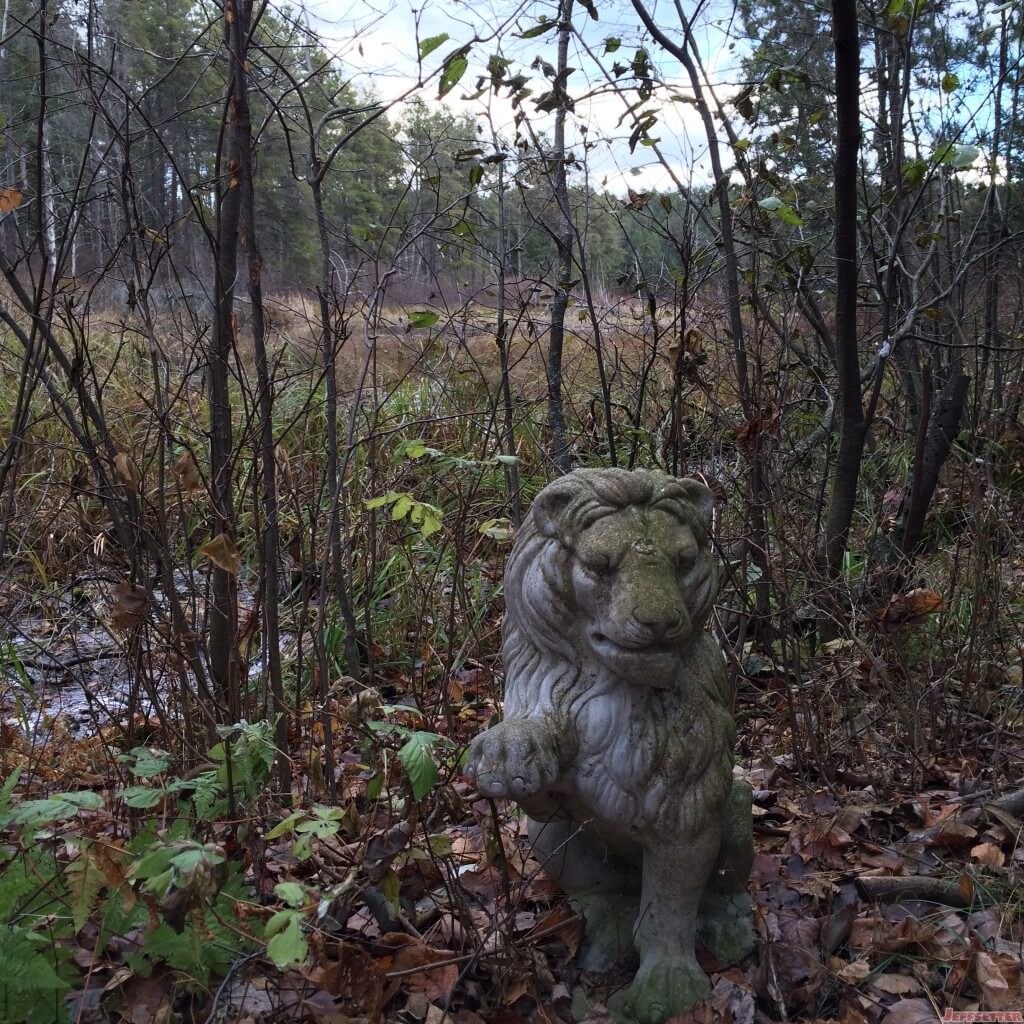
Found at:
(513, 759)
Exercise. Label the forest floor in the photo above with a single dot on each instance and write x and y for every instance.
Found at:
(880, 896)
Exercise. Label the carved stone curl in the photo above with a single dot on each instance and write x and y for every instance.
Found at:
(618, 732)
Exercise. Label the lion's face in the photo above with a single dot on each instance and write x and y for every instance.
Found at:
(636, 562)
(631, 574)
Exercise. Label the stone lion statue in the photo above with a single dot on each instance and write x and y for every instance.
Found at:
(617, 733)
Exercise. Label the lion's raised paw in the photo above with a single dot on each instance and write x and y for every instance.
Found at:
(514, 759)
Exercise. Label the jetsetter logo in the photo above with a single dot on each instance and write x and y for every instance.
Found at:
(970, 1016)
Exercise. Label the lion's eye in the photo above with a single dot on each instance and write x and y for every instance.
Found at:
(685, 557)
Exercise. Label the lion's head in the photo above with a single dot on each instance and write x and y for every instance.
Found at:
(613, 572)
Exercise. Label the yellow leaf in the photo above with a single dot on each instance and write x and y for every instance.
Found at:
(223, 553)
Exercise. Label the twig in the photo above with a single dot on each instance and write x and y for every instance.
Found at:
(892, 889)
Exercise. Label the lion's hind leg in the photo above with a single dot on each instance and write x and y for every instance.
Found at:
(726, 910)
(603, 887)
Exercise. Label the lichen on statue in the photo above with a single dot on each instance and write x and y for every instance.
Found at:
(617, 733)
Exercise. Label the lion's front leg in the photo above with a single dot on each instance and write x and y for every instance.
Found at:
(670, 980)
(520, 757)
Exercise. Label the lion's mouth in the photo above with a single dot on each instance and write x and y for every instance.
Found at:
(604, 644)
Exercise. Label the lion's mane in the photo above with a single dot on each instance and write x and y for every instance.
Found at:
(650, 755)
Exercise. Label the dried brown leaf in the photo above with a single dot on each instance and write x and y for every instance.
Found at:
(998, 977)
(129, 605)
(896, 984)
(223, 553)
(988, 854)
(126, 470)
(911, 607)
(911, 1011)
(10, 199)
(188, 474)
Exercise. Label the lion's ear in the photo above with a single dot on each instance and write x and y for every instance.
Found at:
(550, 505)
(701, 498)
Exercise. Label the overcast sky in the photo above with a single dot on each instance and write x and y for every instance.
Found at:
(378, 42)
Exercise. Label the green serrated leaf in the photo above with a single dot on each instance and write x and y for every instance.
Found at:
(454, 68)
(789, 216)
(950, 82)
(146, 763)
(141, 797)
(428, 46)
(85, 879)
(417, 757)
(60, 807)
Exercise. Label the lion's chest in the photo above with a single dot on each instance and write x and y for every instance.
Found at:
(633, 763)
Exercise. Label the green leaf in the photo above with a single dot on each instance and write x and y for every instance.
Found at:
(7, 789)
(391, 887)
(60, 807)
(440, 844)
(141, 797)
(26, 964)
(507, 460)
(454, 68)
(476, 174)
(771, 204)
(155, 862)
(146, 763)
(384, 499)
(950, 82)
(291, 892)
(894, 8)
(428, 46)
(400, 509)
(964, 157)
(288, 946)
(319, 827)
(544, 25)
(423, 318)
(742, 145)
(914, 172)
(788, 215)
(288, 825)
(417, 757)
(431, 523)
(611, 44)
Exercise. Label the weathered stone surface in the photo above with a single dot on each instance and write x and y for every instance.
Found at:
(618, 733)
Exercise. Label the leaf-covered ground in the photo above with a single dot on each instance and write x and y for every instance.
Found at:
(888, 891)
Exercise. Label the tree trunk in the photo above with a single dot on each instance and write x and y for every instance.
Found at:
(851, 408)
(559, 441)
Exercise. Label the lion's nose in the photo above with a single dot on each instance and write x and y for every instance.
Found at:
(660, 621)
